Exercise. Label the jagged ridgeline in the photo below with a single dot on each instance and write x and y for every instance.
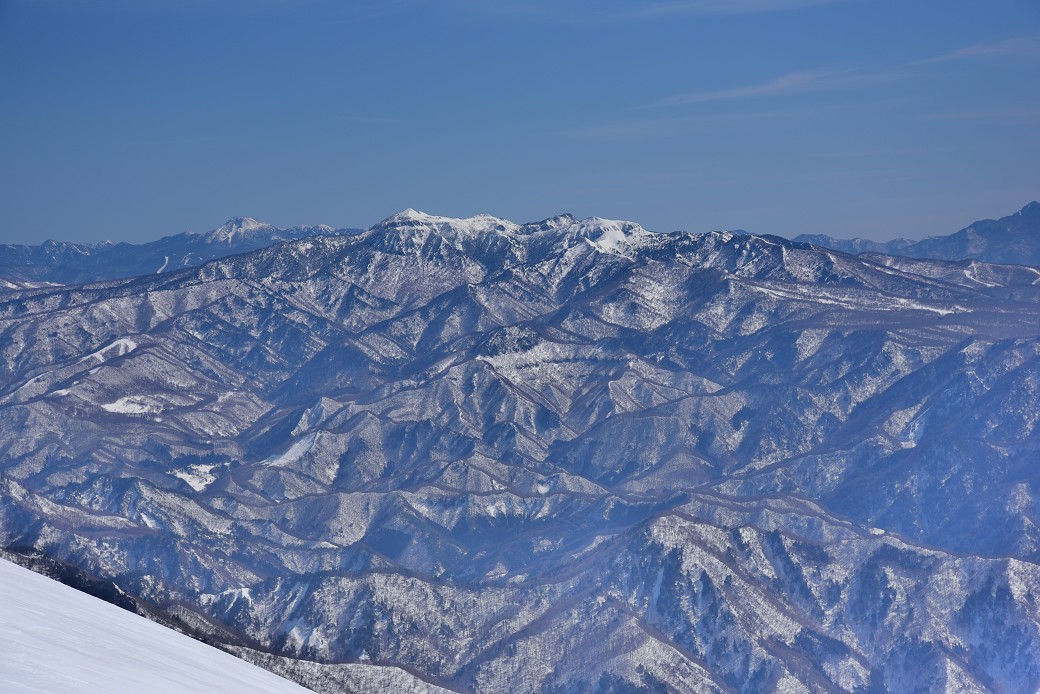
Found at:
(563, 456)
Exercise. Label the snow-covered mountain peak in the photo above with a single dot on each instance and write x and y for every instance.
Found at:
(560, 221)
(613, 226)
(1031, 208)
(610, 235)
(616, 237)
(246, 223)
(467, 226)
(237, 227)
(409, 215)
(472, 235)
(776, 457)
(725, 235)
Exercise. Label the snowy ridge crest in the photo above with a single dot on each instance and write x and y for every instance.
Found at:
(617, 237)
(572, 455)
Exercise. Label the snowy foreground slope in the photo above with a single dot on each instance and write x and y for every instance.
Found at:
(572, 455)
(54, 638)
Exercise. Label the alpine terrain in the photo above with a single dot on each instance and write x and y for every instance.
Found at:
(56, 262)
(1011, 239)
(572, 455)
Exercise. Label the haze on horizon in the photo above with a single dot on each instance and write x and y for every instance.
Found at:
(873, 118)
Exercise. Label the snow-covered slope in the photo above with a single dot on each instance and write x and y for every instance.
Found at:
(559, 456)
(56, 639)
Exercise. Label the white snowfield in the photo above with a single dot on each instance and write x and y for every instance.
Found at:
(56, 639)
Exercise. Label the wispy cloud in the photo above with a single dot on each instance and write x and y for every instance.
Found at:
(800, 82)
(1014, 47)
(791, 83)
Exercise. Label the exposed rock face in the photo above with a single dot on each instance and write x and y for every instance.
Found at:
(558, 456)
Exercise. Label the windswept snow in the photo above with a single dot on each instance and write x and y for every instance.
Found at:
(297, 450)
(134, 404)
(56, 639)
(470, 226)
(198, 477)
(612, 236)
(123, 345)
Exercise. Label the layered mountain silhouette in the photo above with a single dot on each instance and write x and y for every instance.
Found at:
(55, 262)
(1012, 239)
(572, 455)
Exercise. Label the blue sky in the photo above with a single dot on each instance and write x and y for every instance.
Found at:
(133, 119)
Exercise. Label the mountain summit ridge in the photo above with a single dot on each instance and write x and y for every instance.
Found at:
(573, 454)
(1014, 239)
(241, 227)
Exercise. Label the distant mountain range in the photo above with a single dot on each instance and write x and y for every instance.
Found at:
(570, 455)
(55, 262)
(1011, 239)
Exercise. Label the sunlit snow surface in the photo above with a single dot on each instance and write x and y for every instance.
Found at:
(56, 639)
(561, 456)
